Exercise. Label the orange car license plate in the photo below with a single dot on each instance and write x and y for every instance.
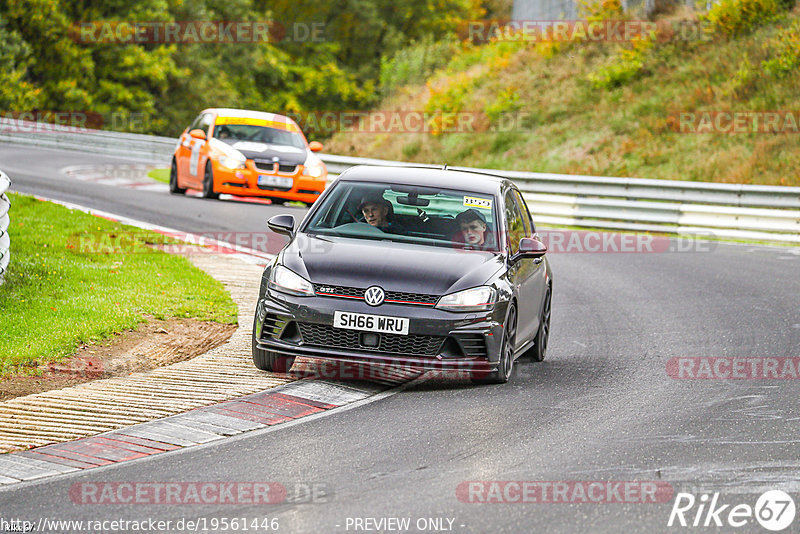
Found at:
(275, 181)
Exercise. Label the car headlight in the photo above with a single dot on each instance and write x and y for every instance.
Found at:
(476, 299)
(286, 281)
(314, 170)
(231, 163)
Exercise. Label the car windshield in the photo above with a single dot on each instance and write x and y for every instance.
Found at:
(231, 133)
(409, 214)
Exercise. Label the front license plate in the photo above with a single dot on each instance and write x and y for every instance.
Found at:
(371, 323)
(275, 181)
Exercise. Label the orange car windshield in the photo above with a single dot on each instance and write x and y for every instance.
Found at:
(231, 133)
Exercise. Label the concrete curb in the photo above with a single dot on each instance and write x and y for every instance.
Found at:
(290, 402)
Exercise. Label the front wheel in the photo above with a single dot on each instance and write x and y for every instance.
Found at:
(506, 363)
(173, 180)
(270, 361)
(208, 182)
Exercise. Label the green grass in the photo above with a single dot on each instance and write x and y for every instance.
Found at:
(60, 293)
(161, 175)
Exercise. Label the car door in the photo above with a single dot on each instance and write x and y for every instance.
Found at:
(199, 155)
(526, 274)
(194, 152)
(184, 151)
(538, 280)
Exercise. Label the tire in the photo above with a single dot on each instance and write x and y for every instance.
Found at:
(265, 360)
(277, 201)
(208, 182)
(539, 350)
(503, 372)
(173, 179)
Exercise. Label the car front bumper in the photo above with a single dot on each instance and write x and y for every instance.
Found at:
(244, 182)
(303, 326)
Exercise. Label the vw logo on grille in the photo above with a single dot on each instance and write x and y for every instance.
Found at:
(374, 296)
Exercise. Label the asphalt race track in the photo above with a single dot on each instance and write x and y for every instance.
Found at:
(36, 171)
(601, 408)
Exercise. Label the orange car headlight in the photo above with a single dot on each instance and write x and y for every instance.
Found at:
(315, 170)
(231, 162)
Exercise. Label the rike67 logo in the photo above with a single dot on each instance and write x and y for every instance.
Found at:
(774, 510)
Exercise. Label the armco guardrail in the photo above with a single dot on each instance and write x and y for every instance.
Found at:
(5, 222)
(770, 213)
(728, 210)
(148, 148)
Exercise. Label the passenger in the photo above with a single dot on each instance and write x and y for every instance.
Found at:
(473, 231)
(378, 212)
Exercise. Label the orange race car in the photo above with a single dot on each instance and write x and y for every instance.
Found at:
(247, 153)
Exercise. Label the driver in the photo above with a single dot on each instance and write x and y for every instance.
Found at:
(473, 231)
(223, 132)
(378, 212)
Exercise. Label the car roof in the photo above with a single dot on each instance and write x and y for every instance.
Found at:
(427, 176)
(247, 114)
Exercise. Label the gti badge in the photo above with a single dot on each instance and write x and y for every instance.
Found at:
(374, 296)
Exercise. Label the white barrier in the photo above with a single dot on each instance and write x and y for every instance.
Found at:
(5, 221)
(731, 210)
(762, 212)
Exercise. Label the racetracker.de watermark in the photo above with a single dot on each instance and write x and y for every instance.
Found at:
(581, 30)
(143, 242)
(735, 122)
(177, 493)
(196, 32)
(59, 122)
(49, 121)
(733, 368)
(412, 121)
(397, 370)
(590, 241)
(557, 242)
(564, 492)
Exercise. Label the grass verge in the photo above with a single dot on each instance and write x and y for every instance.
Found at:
(66, 286)
(160, 175)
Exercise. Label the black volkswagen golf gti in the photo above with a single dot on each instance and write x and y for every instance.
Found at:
(421, 267)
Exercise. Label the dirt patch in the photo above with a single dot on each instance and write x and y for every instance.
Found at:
(155, 344)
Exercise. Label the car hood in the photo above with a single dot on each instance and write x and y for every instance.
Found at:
(287, 155)
(362, 263)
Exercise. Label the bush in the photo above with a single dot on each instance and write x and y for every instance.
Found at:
(622, 68)
(600, 9)
(507, 101)
(451, 99)
(414, 64)
(412, 149)
(732, 18)
(494, 54)
(784, 50)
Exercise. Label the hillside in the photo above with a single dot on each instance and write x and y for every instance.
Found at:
(612, 109)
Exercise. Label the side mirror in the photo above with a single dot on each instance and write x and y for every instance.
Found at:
(197, 133)
(315, 146)
(282, 224)
(531, 248)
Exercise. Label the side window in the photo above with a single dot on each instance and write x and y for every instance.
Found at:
(515, 227)
(205, 122)
(196, 122)
(530, 229)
